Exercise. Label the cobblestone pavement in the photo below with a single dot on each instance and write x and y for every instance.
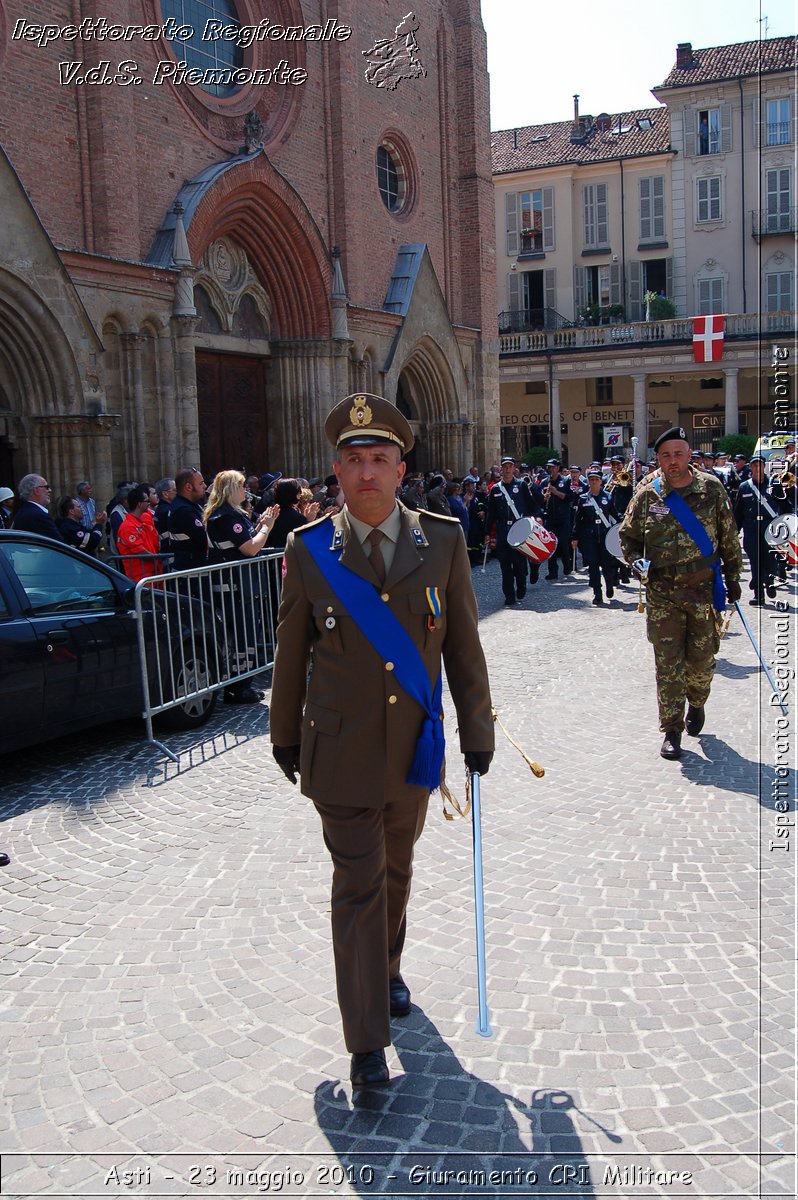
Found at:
(169, 1014)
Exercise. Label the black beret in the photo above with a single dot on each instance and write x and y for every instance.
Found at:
(616, 458)
(676, 434)
(553, 462)
(594, 474)
(507, 459)
(758, 458)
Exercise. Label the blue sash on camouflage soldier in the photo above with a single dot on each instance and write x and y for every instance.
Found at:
(691, 525)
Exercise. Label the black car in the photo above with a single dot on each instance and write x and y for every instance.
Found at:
(69, 651)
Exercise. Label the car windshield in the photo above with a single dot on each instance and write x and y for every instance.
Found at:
(55, 581)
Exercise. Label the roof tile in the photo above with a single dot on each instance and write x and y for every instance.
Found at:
(716, 63)
(550, 145)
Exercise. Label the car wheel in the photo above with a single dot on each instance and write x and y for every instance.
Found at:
(190, 673)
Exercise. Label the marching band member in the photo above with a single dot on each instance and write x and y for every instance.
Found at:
(509, 500)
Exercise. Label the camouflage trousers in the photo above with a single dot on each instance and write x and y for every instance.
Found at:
(684, 630)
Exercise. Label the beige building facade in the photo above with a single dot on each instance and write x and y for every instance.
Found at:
(614, 231)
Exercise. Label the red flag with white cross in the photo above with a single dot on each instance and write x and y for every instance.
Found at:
(708, 333)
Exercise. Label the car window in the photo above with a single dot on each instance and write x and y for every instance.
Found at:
(57, 582)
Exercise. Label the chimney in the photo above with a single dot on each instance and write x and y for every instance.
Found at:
(515, 139)
(684, 56)
(578, 128)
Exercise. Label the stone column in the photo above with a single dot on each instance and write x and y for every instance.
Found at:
(136, 436)
(732, 410)
(188, 441)
(640, 416)
(555, 419)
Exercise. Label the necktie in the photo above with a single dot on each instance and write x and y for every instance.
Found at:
(375, 557)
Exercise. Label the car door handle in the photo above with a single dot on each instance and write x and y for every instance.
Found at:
(58, 637)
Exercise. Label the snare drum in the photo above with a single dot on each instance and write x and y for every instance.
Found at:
(532, 539)
(612, 542)
(782, 535)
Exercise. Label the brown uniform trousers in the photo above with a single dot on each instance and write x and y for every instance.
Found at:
(358, 730)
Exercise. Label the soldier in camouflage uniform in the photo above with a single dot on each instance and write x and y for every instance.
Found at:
(683, 626)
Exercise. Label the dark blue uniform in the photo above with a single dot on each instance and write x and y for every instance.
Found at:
(513, 563)
(161, 519)
(559, 515)
(75, 535)
(187, 537)
(589, 530)
(236, 594)
(753, 518)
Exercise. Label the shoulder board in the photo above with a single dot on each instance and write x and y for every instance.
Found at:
(300, 529)
(432, 516)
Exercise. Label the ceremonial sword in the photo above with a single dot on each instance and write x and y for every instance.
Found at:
(483, 1018)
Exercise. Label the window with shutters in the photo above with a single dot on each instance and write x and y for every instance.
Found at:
(652, 209)
(709, 198)
(709, 131)
(777, 123)
(710, 297)
(779, 291)
(595, 209)
(778, 194)
(530, 221)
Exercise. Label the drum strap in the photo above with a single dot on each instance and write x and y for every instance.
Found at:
(761, 499)
(606, 521)
(510, 504)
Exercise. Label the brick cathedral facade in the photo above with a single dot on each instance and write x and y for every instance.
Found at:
(193, 275)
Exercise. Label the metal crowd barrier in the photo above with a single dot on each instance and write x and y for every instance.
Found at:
(205, 629)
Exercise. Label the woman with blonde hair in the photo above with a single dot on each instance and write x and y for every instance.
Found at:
(232, 536)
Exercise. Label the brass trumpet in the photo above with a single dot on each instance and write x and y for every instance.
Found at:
(622, 479)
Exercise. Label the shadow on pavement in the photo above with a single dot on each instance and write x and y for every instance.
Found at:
(63, 771)
(724, 768)
(439, 1130)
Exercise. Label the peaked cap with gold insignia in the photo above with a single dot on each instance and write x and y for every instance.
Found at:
(366, 420)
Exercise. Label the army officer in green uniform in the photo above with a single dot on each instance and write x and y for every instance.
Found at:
(684, 584)
(375, 597)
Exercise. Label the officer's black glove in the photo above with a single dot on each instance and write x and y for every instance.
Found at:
(287, 758)
(733, 590)
(478, 760)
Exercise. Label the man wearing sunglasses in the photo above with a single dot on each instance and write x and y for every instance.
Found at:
(32, 516)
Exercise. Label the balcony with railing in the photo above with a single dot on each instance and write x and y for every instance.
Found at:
(636, 333)
(523, 320)
(770, 224)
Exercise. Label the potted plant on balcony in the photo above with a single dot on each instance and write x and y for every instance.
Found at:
(659, 308)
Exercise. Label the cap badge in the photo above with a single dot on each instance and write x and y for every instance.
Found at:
(360, 414)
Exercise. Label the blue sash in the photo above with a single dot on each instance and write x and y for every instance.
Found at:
(393, 644)
(691, 525)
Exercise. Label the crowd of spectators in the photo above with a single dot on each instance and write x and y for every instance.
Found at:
(148, 527)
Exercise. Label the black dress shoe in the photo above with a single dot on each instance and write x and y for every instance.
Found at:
(770, 591)
(757, 602)
(597, 601)
(610, 591)
(521, 593)
(369, 1069)
(244, 695)
(694, 721)
(400, 997)
(672, 745)
(508, 603)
